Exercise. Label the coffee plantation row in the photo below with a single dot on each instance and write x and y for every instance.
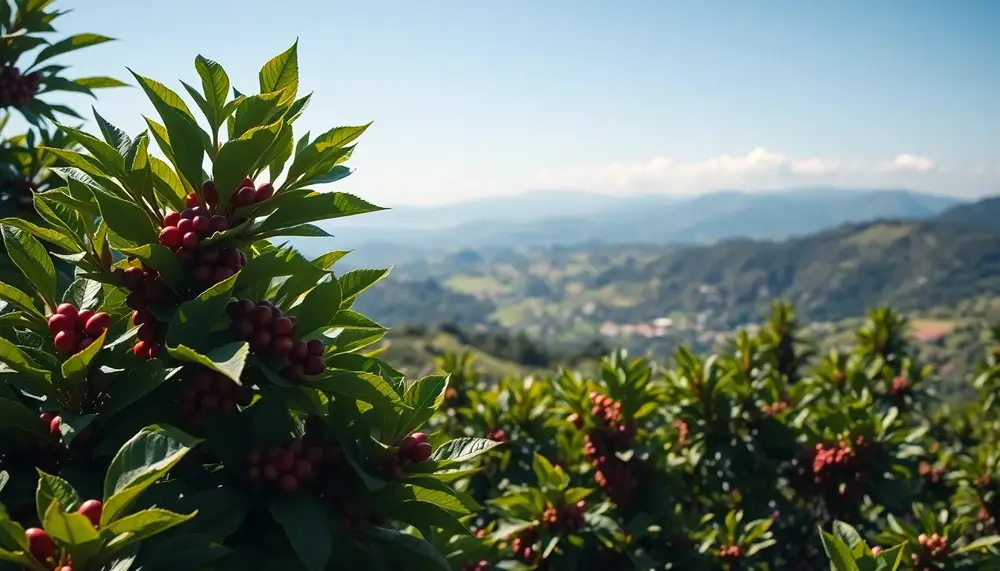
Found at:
(179, 389)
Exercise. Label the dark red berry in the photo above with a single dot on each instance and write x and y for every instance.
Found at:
(316, 347)
(192, 200)
(300, 351)
(190, 240)
(288, 483)
(40, 544)
(239, 308)
(55, 426)
(282, 346)
(65, 341)
(133, 278)
(170, 237)
(141, 349)
(45, 419)
(304, 470)
(185, 226)
(171, 219)
(97, 325)
(218, 223)
(222, 273)
(314, 365)
(406, 444)
(92, 509)
(294, 372)
(208, 255)
(282, 327)
(203, 273)
(245, 196)
(262, 316)
(420, 437)
(210, 192)
(184, 256)
(260, 340)
(285, 461)
(270, 472)
(202, 225)
(59, 322)
(84, 343)
(243, 329)
(67, 309)
(83, 317)
(421, 452)
(264, 192)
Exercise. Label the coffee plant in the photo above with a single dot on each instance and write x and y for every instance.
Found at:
(766, 456)
(210, 376)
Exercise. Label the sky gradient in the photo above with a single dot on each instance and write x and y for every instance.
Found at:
(473, 98)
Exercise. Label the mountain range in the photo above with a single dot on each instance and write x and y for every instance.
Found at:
(832, 274)
(546, 218)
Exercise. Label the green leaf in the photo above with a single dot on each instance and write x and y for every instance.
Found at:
(32, 259)
(61, 217)
(314, 153)
(126, 219)
(48, 234)
(54, 489)
(285, 261)
(317, 310)
(16, 416)
(70, 44)
(356, 281)
(19, 299)
(69, 528)
(304, 230)
(549, 476)
(137, 383)
(463, 449)
(839, 553)
(107, 156)
(145, 458)
(424, 396)
(281, 73)
(307, 528)
(238, 158)
(215, 85)
(84, 293)
(193, 320)
(75, 369)
(254, 111)
(169, 187)
(228, 360)
(21, 363)
(424, 515)
(143, 525)
(365, 387)
(350, 319)
(11, 533)
(99, 82)
(112, 135)
(316, 206)
(186, 142)
(979, 544)
(409, 552)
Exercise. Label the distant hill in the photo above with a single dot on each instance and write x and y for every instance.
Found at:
(568, 292)
(984, 213)
(550, 218)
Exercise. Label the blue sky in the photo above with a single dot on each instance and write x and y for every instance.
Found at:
(476, 97)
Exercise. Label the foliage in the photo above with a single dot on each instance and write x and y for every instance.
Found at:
(224, 368)
(764, 456)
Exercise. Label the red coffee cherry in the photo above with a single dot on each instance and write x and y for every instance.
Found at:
(171, 237)
(67, 309)
(171, 219)
(92, 509)
(40, 544)
(59, 322)
(264, 192)
(192, 200)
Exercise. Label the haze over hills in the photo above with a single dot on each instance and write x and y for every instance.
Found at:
(572, 291)
(565, 217)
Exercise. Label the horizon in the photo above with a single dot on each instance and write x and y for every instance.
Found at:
(479, 100)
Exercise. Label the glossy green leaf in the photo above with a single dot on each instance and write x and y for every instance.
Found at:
(238, 158)
(281, 73)
(143, 525)
(19, 299)
(145, 458)
(228, 360)
(193, 320)
(317, 310)
(54, 489)
(32, 259)
(126, 219)
(70, 44)
(306, 527)
(365, 387)
(463, 449)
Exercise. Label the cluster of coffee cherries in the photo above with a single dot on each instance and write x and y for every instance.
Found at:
(524, 544)
(730, 553)
(209, 392)
(571, 518)
(838, 463)
(413, 448)
(774, 409)
(183, 233)
(74, 330)
(901, 385)
(613, 475)
(43, 548)
(497, 435)
(933, 475)
(287, 468)
(145, 286)
(17, 90)
(933, 548)
(269, 332)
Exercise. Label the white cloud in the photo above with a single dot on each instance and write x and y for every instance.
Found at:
(906, 162)
(760, 169)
